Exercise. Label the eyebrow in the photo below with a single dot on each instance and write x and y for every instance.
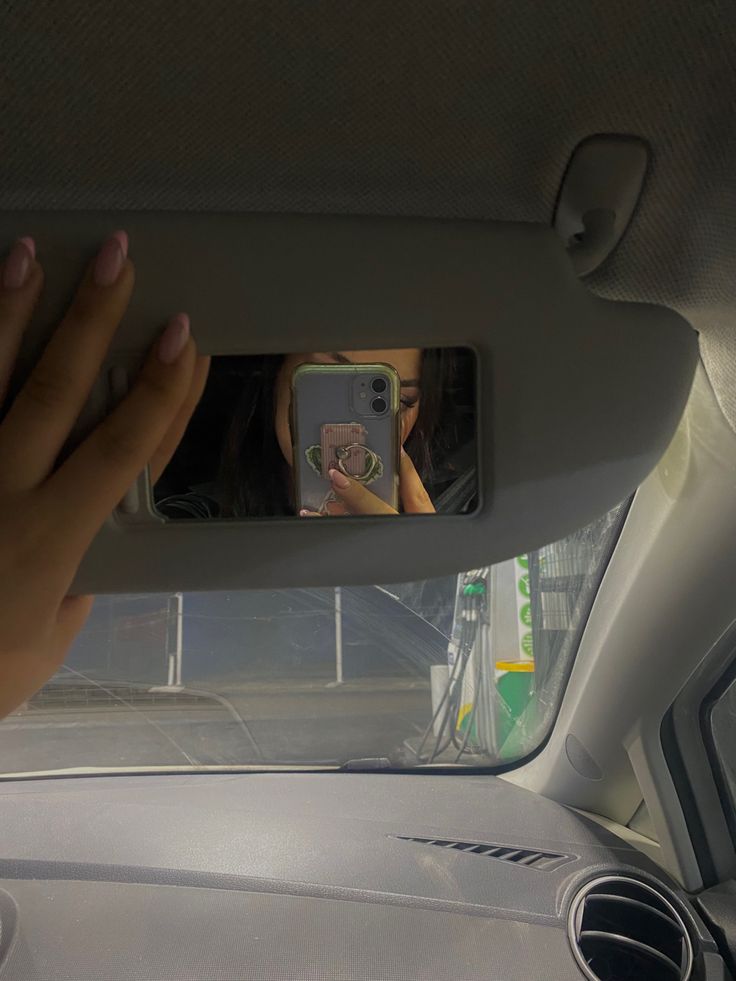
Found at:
(341, 359)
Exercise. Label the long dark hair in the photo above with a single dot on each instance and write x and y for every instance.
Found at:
(256, 481)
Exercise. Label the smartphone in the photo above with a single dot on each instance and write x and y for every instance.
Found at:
(345, 417)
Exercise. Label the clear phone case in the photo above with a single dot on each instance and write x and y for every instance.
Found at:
(334, 425)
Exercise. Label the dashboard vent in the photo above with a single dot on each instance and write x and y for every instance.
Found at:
(621, 929)
(544, 861)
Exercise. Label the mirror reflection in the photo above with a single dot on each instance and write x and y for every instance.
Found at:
(325, 434)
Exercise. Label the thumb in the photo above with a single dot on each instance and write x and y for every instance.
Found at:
(356, 497)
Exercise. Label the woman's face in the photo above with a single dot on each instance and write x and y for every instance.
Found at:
(406, 361)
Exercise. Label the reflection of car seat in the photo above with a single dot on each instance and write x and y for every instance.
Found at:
(452, 481)
(190, 505)
(453, 484)
(460, 496)
(457, 498)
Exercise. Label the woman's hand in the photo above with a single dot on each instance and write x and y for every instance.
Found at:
(355, 498)
(48, 514)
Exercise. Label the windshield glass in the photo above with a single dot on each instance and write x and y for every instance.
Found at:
(465, 671)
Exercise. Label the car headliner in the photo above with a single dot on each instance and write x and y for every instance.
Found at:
(443, 109)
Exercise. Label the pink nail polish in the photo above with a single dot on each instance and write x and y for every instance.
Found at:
(29, 244)
(110, 259)
(18, 263)
(174, 339)
(338, 479)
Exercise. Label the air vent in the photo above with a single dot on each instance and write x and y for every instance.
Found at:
(543, 861)
(621, 929)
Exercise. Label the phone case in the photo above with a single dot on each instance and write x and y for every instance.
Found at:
(343, 446)
(331, 424)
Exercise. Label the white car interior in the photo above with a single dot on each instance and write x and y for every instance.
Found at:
(493, 742)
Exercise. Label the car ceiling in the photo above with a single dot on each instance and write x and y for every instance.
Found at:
(451, 109)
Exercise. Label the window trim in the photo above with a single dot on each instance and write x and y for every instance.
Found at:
(691, 758)
(726, 795)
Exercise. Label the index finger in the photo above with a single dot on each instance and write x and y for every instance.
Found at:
(21, 279)
(43, 413)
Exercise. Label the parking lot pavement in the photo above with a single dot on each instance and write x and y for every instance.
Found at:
(245, 725)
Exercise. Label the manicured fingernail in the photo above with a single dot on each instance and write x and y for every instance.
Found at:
(110, 259)
(18, 263)
(338, 479)
(304, 513)
(174, 339)
(29, 244)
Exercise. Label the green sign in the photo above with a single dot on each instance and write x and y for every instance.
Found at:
(524, 585)
(525, 614)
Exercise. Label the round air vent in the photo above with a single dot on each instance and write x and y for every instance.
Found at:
(621, 929)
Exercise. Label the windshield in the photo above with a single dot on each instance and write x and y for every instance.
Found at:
(461, 671)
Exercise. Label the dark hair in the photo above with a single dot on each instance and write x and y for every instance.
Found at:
(254, 476)
(255, 479)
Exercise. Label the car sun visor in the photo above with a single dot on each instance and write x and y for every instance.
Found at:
(574, 398)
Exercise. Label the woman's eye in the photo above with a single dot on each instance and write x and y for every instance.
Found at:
(408, 403)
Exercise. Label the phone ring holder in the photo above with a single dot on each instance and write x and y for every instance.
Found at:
(372, 461)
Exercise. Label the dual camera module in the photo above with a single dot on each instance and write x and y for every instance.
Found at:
(378, 404)
(371, 395)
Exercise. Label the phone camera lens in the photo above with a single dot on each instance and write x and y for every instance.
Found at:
(378, 385)
(378, 405)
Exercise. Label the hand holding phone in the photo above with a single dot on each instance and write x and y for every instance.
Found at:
(345, 419)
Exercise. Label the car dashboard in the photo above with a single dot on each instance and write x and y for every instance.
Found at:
(326, 875)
